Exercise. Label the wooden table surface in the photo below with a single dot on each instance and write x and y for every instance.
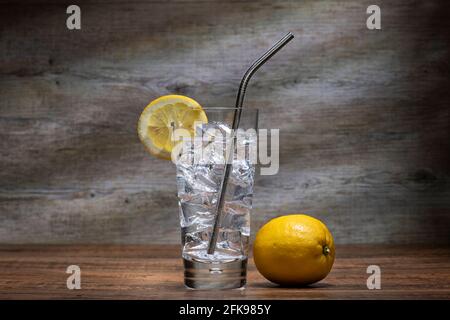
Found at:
(155, 272)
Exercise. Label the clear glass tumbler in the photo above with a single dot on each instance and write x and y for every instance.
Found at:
(200, 170)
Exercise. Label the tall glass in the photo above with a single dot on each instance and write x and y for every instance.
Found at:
(200, 169)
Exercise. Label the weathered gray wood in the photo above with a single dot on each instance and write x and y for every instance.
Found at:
(364, 115)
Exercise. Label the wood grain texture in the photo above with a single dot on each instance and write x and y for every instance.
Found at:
(156, 272)
(363, 115)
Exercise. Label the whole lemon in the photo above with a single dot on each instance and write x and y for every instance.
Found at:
(294, 250)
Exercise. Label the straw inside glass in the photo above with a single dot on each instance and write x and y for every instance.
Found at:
(236, 119)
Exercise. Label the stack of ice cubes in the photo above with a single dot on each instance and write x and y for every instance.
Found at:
(200, 169)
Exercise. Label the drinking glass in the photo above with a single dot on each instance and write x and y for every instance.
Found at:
(200, 169)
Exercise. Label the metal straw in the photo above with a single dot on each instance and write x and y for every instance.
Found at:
(236, 119)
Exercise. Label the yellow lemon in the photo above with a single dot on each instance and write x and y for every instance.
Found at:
(294, 250)
(164, 115)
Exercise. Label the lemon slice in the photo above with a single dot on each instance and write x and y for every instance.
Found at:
(159, 119)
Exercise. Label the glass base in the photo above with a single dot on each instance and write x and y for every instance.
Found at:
(215, 276)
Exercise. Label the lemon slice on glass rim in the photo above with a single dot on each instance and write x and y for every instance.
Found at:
(162, 116)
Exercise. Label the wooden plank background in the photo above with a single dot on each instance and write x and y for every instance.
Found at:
(364, 115)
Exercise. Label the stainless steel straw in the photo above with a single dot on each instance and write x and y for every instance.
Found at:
(236, 119)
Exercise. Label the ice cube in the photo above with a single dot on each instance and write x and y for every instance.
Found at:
(199, 177)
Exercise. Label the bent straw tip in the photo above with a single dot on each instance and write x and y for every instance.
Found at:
(290, 35)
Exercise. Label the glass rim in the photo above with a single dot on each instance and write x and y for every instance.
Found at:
(228, 109)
